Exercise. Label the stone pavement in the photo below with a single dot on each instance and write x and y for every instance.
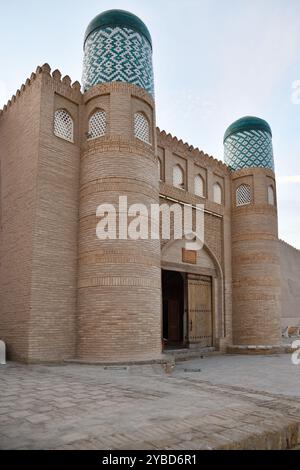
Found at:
(222, 402)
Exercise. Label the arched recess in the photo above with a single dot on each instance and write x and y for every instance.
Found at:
(206, 265)
(160, 169)
(217, 193)
(199, 186)
(271, 195)
(178, 177)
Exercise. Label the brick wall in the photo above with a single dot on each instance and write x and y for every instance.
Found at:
(119, 287)
(19, 151)
(39, 201)
(290, 284)
(54, 258)
(255, 263)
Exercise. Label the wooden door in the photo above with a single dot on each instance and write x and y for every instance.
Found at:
(200, 310)
(174, 321)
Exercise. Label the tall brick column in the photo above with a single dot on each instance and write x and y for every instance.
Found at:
(119, 285)
(255, 250)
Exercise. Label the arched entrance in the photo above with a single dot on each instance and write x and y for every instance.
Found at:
(201, 290)
(173, 308)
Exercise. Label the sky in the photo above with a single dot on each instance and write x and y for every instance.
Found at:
(214, 62)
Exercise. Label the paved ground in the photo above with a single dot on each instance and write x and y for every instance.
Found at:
(216, 402)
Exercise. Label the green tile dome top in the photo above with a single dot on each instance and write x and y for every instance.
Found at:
(117, 48)
(122, 18)
(248, 144)
(248, 123)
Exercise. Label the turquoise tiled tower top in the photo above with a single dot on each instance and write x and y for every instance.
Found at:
(118, 47)
(248, 144)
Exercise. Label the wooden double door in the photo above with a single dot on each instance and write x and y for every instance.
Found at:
(173, 308)
(200, 316)
(187, 309)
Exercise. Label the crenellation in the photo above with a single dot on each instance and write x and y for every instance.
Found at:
(288, 244)
(66, 85)
(46, 69)
(19, 92)
(76, 86)
(56, 74)
(188, 150)
(66, 80)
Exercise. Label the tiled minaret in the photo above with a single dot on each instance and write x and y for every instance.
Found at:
(118, 48)
(255, 251)
(119, 299)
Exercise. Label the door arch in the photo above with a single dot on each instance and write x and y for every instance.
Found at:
(208, 268)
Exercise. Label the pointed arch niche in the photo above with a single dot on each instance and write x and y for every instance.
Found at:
(204, 268)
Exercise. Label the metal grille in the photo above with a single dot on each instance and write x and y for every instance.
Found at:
(217, 192)
(271, 196)
(141, 128)
(178, 177)
(199, 186)
(97, 125)
(243, 195)
(63, 125)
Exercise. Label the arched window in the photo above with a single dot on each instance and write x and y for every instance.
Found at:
(217, 193)
(271, 195)
(178, 177)
(97, 124)
(141, 127)
(63, 125)
(160, 172)
(243, 195)
(199, 186)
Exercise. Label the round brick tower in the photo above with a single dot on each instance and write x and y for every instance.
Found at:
(255, 251)
(119, 299)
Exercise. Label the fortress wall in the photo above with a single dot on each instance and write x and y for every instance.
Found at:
(55, 238)
(19, 141)
(290, 284)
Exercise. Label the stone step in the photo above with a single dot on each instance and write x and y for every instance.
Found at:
(180, 355)
(260, 350)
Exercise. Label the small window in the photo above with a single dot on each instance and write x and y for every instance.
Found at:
(160, 173)
(178, 177)
(243, 195)
(141, 128)
(199, 186)
(63, 125)
(217, 193)
(97, 125)
(271, 196)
